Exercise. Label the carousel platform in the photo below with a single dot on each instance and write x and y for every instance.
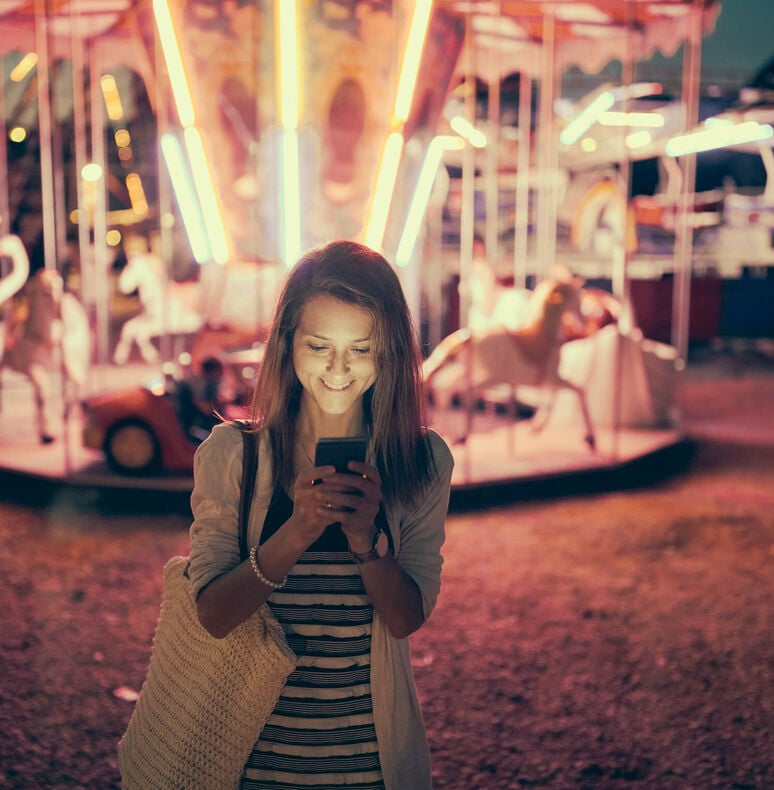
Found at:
(502, 459)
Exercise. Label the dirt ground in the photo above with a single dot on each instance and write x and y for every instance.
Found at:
(594, 641)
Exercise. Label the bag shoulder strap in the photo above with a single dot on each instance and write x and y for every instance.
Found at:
(249, 471)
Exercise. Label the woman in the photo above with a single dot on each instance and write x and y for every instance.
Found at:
(349, 563)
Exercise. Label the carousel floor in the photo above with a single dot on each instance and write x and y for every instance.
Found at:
(500, 459)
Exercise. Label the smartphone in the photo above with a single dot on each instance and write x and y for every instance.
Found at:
(338, 451)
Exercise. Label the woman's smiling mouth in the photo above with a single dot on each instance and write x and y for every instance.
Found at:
(335, 387)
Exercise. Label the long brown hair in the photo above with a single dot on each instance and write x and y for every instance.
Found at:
(393, 406)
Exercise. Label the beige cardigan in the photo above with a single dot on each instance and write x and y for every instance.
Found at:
(418, 534)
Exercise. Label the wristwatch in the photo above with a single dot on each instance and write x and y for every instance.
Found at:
(379, 549)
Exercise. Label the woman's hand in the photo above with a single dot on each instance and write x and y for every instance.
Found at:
(310, 493)
(353, 500)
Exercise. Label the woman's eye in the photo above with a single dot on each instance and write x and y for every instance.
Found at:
(316, 348)
(361, 350)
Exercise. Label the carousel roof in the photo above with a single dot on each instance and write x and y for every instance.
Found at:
(506, 34)
(109, 26)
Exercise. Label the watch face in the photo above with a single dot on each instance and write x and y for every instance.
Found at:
(382, 544)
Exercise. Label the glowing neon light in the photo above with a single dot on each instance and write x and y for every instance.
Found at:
(718, 137)
(650, 120)
(287, 91)
(408, 71)
(385, 185)
(393, 145)
(205, 190)
(466, 130)
(23, 67)
(287, 32)
(174, 61)
(290, 198)
(136, 194)
(185, 196)
(639, 139)
(91, 172)
(122, 138)
(419, 201)
(586, 118)
(115, 108)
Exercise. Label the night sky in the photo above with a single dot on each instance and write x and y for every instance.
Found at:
(742, 42)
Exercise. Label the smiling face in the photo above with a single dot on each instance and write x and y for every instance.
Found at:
(334, 359)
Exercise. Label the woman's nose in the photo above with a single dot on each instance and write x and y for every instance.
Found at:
(338, 362)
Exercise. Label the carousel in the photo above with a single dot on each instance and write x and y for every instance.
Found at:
(166, 162)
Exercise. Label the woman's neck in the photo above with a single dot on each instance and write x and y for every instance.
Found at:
(313, 425)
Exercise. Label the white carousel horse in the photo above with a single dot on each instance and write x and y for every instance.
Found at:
(51, 319)
(164, 310)
(12, 247)
(467, 362)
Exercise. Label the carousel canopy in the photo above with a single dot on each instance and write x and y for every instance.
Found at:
(505, 34)
(351, 53)
(508, 35)
(108, 27)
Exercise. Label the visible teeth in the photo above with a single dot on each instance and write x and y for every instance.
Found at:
(335, 386)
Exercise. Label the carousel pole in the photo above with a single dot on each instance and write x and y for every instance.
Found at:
(98, 215)
(467, 209)
(493, 161)
(85, 258)
(5, 220)
(433, 259)
(683, 252)
(467, 219)
(45, 129)
(51, 188)
(620, 252)
(167, 229)
(521, 227)
(493, 198)
(87, 286)
(547, 152)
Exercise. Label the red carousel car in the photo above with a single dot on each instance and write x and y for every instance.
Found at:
(140, 429)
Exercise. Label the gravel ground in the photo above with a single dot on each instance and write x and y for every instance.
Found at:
(596, 641)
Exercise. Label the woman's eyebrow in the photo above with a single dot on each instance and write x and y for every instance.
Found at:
(325, 337)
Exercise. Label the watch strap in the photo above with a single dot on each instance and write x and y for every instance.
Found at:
(373, 554)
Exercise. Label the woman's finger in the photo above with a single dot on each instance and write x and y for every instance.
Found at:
(366, 472)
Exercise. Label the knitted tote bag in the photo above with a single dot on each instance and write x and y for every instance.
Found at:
(204, 700)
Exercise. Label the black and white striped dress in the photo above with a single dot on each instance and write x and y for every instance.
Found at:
(321, 733)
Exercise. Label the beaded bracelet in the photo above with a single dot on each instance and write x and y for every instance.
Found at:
(260, 574)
